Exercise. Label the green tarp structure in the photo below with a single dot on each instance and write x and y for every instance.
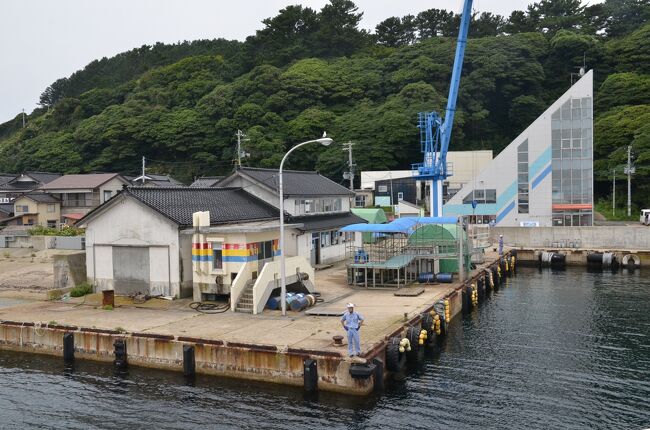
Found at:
(373, 216)
(445, 235)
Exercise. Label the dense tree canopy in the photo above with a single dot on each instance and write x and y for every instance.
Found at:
(308, 70)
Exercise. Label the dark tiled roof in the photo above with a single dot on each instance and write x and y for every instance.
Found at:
(155, 180)
(165, 184)
(327, 222)
(226, 205)
(21, 186)
(43, 177)
(297, 183)
(7, 208)
(206, 181)
(6, 177)
(41, 197)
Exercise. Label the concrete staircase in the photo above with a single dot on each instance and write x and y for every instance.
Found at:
(245, 302)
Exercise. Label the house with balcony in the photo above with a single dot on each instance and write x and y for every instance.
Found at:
(318, 206)
(79, 194)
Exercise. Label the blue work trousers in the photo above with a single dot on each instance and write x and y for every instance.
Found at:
(354, 344)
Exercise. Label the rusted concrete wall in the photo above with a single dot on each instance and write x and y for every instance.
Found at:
(255, 362)
(245, 361)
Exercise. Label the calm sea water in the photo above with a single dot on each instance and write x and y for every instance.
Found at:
(551, 350)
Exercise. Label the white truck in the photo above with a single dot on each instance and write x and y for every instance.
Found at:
(645, 217)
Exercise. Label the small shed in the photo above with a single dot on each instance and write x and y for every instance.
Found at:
(373, 216)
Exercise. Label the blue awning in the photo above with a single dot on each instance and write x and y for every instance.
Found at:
(400, 225)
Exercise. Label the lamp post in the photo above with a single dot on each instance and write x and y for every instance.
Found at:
(325, 141)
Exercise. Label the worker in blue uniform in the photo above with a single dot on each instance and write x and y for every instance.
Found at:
(352, 322)
(500, 244)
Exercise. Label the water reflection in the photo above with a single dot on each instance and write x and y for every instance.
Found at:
(567, 349)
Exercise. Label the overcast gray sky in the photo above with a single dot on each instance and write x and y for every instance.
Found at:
(43, 40)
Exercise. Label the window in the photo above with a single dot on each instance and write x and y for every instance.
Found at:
(318, 205)
(51, 208)
(324, 239)
(400, 196)
(217, 255)
(51, 223)
(382, 188)
(359, 201)
(21, 208)
(78, 199)
(107, 195)
(572, 173)
(488, 195)
(522, 178)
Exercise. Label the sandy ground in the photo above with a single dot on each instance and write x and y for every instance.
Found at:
(26, 270)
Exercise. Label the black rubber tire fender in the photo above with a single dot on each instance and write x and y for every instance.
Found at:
(395, 360)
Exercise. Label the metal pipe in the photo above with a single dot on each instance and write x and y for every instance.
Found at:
(283, 280)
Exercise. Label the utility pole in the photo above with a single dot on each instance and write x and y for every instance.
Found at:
(351, 166)
(614, 192)
(23, 118)
(241, 137)
(629, 169)
(144, 167)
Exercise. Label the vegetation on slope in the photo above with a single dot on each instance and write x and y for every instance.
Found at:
(307, 71)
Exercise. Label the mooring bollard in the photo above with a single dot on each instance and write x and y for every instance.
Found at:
(189, 363)
(310, 375)
(68, 347)
(120, 361)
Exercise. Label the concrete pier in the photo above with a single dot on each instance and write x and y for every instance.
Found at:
(266, 347)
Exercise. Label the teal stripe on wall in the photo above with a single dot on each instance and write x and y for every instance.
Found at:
(537, 165)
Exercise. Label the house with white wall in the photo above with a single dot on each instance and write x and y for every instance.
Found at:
(318, 207)
(141, 241)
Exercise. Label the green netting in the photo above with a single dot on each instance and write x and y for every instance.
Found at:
(373, 216)
(443, 236)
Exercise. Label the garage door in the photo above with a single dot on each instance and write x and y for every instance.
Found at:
(131, 270)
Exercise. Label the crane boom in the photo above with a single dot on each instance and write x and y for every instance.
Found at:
(436, 133)
(447, 126)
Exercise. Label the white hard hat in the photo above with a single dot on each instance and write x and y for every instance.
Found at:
(500, 235)
(349, 305)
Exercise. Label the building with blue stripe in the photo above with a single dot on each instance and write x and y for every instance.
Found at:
(544, 176)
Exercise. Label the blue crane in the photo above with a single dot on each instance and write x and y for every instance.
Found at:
(434, 132)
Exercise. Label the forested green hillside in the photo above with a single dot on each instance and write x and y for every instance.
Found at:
(307, 71)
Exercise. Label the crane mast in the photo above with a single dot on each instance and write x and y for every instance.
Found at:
(436, 133)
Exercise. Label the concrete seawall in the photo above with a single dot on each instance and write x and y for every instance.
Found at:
(255, 361)
(604, 237)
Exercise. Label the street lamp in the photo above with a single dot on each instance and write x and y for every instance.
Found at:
(325, 141)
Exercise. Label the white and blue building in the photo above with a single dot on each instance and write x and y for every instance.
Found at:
(544, 177)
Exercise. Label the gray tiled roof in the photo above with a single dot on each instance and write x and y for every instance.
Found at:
(327, 222)
(43, 177)
(41, 197)
(297, 183)
(226, 205)
(7, 208)
(6, 177)
(155, 180)
(206, 181)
